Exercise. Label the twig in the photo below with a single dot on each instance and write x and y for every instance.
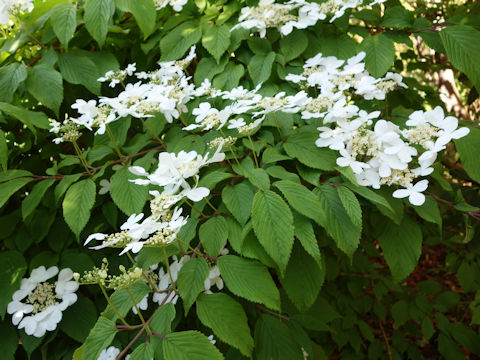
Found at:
(389, 351)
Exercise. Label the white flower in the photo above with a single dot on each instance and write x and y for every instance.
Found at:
(212, 340)
(104, 186)
(109, 353)
(44, 301)
(213, 278)
(348, 160)
(414, 193)
(236, 123)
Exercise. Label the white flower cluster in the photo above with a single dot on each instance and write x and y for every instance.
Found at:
(177, 5)
(166, 91)
(384, 154)
(294, 14)
(10, 8)
(43, 301)
(163, 225)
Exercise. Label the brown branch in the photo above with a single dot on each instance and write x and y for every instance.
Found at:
(389, 351)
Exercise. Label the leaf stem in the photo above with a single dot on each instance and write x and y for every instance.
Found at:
(253, 150)
(80, 157)
(115, 310)
(112, 138)
(147, 328)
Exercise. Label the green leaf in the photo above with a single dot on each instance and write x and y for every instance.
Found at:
(467, 148)
(304, 233)
(207, 68)
(303, 279)
(79, 69)
(161, 324)
(400, 313)
(258, 177)
(122, 300)
(41, 77)
(427, 328)
(279, 172)
(238, 199)
(144, 12)
(273, 340)
(213, 235)
(293, 45)
(397, 17)
(98, 14)
(249, 279)
(3, 151)
(64, 21)
(301, 145)
(380, 54)
(338, 222)
(10, 77)
(273, 225)
(191, 279)
(64, 184)
(402, 246)
(142, 352)
(33, 199)
(31, 119)
(79, 318)
(429, 211)
(174, 45)
(260, 67)
(463, 49)
(77, 204)
(302, 200)
(188, 345)
(216, 39)
(227, 319)
(128, 196)
(9, 339)
(230, 77)
(99, 338)
(12, 268)
(351, 205)
(10, 187)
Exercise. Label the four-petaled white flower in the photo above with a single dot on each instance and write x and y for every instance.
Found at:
(414, 193)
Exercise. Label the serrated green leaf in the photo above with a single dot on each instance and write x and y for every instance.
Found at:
(178, 40)
(64, 184)
(351, 205)
(213, 235)
(273, 225)
(227, 319)
(229, 77)
(216, 39)
(301, 145)
(273, 340)
(380, 54)
(302, 200)
(402, 246)
(238, 199)
(31, 119)
(142, 352)
(258, 177)
(397, 17)
(463, 49)
(10, 187)
(293, 45)
(64, 21)
(79, 69)
(43, 76)
(429, 211)
(33, 199)
(10, 77)
(77, 204)
(123, 302)
(191, 279)
(98, 14)
(188, 345)
(338, 223)
(260, 67)
(249, 279)
(303, 279)
(99, 338)
(128, 196)
(304, 233)
(143, 11)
